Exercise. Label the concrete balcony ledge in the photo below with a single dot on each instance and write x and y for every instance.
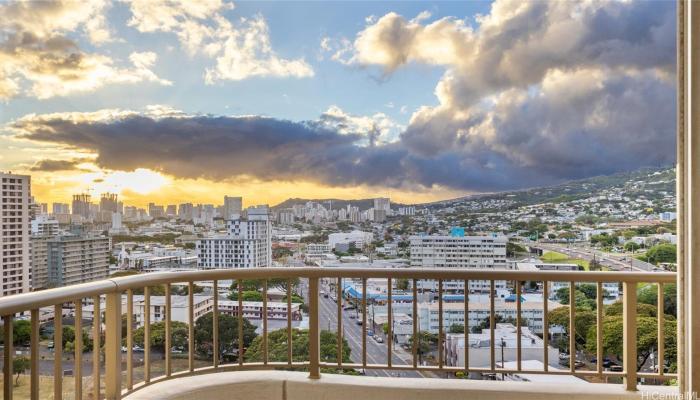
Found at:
(284, 385)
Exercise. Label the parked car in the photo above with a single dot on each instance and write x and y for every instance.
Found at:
(370, 333)
(50, 345)
(378, 339)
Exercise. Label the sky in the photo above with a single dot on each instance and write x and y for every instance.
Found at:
(183, 101)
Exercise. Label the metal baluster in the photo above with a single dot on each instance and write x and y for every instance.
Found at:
(289, 322)
(466, 327)
(599, 328)
(264, 321)
(168, 331)
(7, 371)
(661, 334)
(58, 351)
(129, 339)
(190, 321)
(78, 369)
(339, 350)
(364, 322)
(518, 323)
(414, 339)
(34, 360)
(572, 327)
(492, 323)
(441, 331)
(96, 322)
(147, 334)
(545, 323)
(314, 337)
(390, 319)
(629, 333)
(215, 325)
(240, 322)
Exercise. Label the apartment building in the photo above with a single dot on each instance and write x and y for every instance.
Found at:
(247, 243)
(64, 260)
(44, 225)
(459, 251)
(232, 206)
(15, 258)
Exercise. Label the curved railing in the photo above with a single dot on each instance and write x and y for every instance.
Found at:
(117, 295)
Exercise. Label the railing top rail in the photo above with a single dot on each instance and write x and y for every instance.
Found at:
(22, 302)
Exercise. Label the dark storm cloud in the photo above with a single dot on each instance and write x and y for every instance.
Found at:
(56, 165)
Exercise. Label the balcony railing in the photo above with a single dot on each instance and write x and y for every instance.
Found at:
(115, 290)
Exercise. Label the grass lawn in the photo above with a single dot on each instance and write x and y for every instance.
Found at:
(553, 256)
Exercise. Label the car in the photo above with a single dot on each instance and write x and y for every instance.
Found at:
(358, 322)
(137, 349)
(378, 339)
(348, 308)
(351, 316)
(370, 333)
(124, 349)
(50, 345)
(616, 368)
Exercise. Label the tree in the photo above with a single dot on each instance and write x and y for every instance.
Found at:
(20, 365)
(178, 337)
(425, 340)
(402, 284)
(644, 310)
(248, 295)
(277, 347)
(21, 332)
(648, 295)
(257, 284)
(647, 339)
(583, 320)
(456, 328)
(228, 333)
(632, 246)
(68, 339)
(486, 322)
(661, 253)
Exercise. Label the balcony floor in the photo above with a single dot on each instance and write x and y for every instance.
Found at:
(285, 385)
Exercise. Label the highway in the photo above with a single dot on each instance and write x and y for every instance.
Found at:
(617, 263)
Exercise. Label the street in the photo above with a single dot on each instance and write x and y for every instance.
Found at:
(376, 353)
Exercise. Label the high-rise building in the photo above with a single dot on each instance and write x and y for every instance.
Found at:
(155, 211)
(64, 260)
(184, 211)
(232, 206)
(171, 210)
(43, 225)
(15, 258)
(81, 205)
(109, 203)
(60, 208)
(459, 251)
(246, 244)
(383, 203)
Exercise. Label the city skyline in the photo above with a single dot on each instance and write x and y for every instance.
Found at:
(413, 101)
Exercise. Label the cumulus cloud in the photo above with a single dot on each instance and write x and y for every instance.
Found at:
(241, 50)
(562, 89)
(377, 128)
(38, 58)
